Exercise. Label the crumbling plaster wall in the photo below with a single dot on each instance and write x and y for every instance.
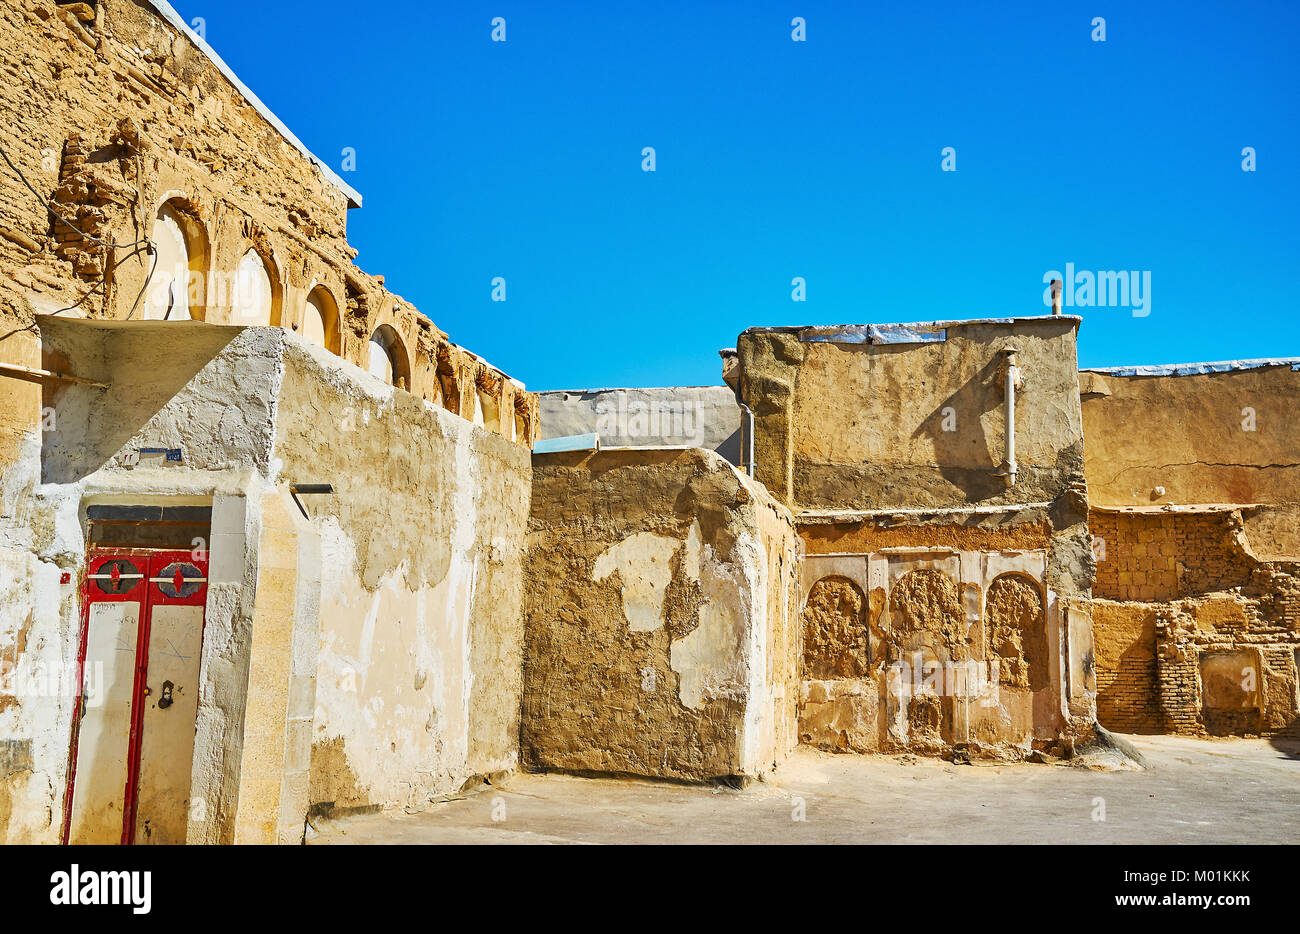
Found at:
(886, 441)
(960, 644)
(661, 634)
(111, 112)
(79, 459)
(417, 554)
(1200, 438)
(419, 680)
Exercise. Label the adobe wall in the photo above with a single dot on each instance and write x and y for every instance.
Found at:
(400, 593)
(845, 424)
(930, 637)
(1187, 619)
(1128, 696)
(943, 607)
(421, 606)
(114, 116)
(1218, 437)
(1164, 556)
(1194, 479)
(1227, 662)
(661, 610)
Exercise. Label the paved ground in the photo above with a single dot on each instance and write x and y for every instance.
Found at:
(1197, 791)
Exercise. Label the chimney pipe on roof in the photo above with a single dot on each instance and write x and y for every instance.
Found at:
(1056, 296)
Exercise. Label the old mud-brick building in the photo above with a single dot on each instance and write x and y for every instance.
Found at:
(1194, 485)
(946, 580)
(273, 546)
(261, 522)
(942, 563)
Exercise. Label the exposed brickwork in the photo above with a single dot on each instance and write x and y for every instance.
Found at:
(1124, 636)
(1205, 605)
(1259, 620)
(1157, 557)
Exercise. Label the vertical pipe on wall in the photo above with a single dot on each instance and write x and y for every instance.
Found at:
(1010, 378)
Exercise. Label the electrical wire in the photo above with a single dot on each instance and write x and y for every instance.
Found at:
(59, 217)
(102, 283)
(147, 279)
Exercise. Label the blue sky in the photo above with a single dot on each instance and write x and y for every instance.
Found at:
(776, 159)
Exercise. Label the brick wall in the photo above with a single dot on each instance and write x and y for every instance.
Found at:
(1165, 556)
(1173, 589)
(1125, 642)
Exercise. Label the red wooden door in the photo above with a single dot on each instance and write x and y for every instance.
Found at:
(133, 730)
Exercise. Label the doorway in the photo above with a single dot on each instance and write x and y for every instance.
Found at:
(133, 726)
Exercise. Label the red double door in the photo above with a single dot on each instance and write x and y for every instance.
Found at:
(133, 730)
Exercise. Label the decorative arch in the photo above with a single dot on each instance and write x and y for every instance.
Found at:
(255, 297)
(925, 602)
(320, 319)
(176, 287)
(387, 358)
(836, 640)
(487, 405)
(1016, 622)
(445, 371)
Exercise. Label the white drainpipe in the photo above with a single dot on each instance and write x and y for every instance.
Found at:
(1012, 377)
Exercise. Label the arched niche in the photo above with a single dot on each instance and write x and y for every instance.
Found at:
(836, 640)
(175, 290)
(1016, 622)
(254, 293)
(320, 319)
(387, 358)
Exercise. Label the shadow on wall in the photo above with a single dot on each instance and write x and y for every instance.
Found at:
(146, 366)
(963, 453)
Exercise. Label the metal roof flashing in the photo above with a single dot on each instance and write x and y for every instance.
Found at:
(1193, 369)
(168, 12)
(917, 332)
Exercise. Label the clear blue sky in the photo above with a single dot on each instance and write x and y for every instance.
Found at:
(778, 159)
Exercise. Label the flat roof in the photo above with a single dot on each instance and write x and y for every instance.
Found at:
(1191, 369)
(596, 392)
(168, 12)
(918, 325)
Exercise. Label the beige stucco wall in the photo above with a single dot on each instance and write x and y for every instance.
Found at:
(418, 684)
(1205, 438)
(845, 425)
(408, 576)
(1225, 437)
(660, 617)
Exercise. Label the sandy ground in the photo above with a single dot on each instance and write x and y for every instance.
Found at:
(1196, 791)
